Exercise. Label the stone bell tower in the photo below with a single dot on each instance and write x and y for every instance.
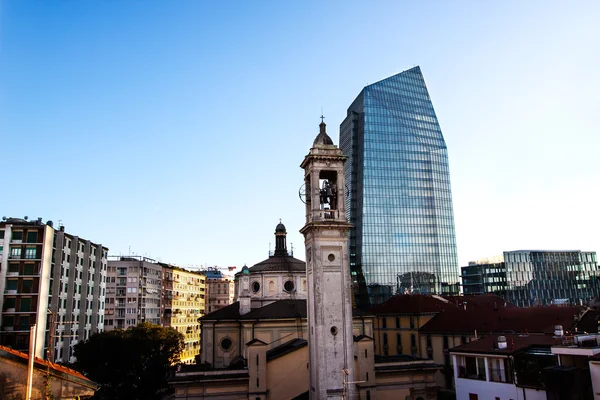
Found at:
(329, 303)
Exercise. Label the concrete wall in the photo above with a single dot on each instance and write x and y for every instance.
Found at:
(595, 375)
(13, 380)
(287, 376)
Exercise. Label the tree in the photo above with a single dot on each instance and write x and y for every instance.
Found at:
(130, 364)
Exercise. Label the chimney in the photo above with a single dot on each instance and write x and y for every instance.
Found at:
(502, 342)
(558, 330)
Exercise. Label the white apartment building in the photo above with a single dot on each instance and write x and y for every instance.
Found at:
(133, 291)
(54, 280)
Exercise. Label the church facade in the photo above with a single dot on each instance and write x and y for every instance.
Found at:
(289, 326)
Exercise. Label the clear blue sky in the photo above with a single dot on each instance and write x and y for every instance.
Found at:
(176, 128)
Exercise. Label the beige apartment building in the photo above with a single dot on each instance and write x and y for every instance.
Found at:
(220, 289)
(183, 303)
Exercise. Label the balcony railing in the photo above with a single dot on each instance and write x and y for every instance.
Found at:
(500, 375)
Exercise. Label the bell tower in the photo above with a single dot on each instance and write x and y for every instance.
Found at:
(329, 303)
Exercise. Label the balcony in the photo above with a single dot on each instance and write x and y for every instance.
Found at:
(500, 375)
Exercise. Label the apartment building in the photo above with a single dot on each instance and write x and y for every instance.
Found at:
(52, 279)
(183, 302)
(221, 289)
(133, 291)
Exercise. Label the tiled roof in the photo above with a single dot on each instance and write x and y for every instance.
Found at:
(278, 264)
(515, 320)
(279, 309)
(232, 311)
(7, 352)
(412, 304)
(515, 343)
(423, 304)
(488, 301)
(286, 348)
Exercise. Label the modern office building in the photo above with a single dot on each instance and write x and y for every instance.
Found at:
(539, 277)
(133, 292)
(536, 277)
(54, 280)
(399, 197)
(484, 277)
(183, 302)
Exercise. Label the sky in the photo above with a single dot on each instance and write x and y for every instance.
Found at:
(175, 129)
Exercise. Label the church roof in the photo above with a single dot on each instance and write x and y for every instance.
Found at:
(277, 310)
(322, 138)
(279, 264)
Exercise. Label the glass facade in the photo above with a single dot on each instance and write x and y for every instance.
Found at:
(399, 196)
(484, 279)
(550, 277)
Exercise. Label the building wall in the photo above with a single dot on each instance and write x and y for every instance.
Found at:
(220, 290)
(272, 288)
(279, 371)
(595, 375)
(183, 302)
(134, 290)
(50, 270)
(272, 332)
(387, 325)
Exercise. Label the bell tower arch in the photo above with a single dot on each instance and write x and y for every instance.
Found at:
(329, 301)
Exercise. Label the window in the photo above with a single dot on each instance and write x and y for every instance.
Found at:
(412, 322)
(1, 248)
(398, 343)
(15, 252)
(17, 235)
(445, 342)
(9, 302)
(30, 252)
(28, 269)
(27, 286)
(398, 322)
(385, 339)
(32, 237)
(255, 287)
(2, 234)
(384, 323)
(25, 304)
(289, 286)
(226, 344)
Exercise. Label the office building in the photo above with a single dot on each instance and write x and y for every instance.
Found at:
(399, 197)
(536, 277)
(484, 277)
(54, 280)
(133, 292)
(183, 302)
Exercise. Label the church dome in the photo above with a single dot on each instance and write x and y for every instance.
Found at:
(280, 227)
(322, 138)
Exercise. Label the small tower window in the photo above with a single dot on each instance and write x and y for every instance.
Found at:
(255, 287)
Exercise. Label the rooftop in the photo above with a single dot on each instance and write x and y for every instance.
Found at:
(514, 343)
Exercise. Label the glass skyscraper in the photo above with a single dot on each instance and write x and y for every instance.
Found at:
(398, 192)
(537, 277)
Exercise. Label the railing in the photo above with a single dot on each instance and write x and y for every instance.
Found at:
(324, 215)
(463, 373)
(500, 375)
